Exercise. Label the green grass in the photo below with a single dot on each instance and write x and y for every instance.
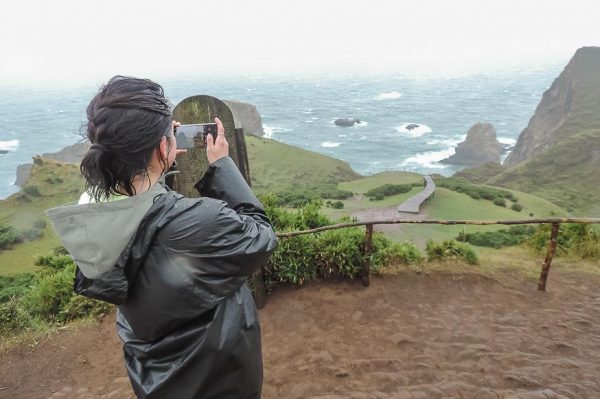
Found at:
(362, 185)
(566, 174)
(277, 167)
(447, 204)
(22, 211)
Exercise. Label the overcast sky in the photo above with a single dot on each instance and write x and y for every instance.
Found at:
(89, 39)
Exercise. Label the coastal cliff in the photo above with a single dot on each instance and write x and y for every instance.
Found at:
(246, 116)
(569, 106)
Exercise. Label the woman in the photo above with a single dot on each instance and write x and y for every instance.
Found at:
(176, 267)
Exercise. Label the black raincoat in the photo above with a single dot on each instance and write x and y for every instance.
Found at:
(185, 314)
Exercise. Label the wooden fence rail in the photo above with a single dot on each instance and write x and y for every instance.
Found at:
(259, 294)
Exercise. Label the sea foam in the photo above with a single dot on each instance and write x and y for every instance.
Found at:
(269, 130)
(330, 144)
(392, 95)
(428, 159)
(415, 132)
(9, 145)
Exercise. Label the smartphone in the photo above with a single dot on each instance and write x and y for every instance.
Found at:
(194, 135)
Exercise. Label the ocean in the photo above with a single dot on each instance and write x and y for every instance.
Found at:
(301, 111)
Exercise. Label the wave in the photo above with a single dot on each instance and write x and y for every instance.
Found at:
(416, 129)
(447, 142)
(507, 140)
(428, 159)
(330, 144)
(9, 145)
(392, 95)
(269, 130)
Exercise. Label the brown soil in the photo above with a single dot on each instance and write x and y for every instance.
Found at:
(410, 336)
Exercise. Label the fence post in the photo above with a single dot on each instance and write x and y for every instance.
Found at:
(366, 271)
(259, 288)
(549, 256)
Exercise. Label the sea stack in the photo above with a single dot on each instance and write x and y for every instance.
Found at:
(481, 146)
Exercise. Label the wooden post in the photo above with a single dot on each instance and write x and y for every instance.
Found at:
(259, 289)
(366, 271)
(549, 256)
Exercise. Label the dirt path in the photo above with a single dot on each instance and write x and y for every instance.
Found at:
(411, 336)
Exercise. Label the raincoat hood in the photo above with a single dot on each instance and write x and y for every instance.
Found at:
(96, 234)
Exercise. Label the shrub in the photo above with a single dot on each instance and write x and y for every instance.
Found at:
(45, 298)
(578, 240)
(336, 194)
(516, 207)
(377, 197)
(13, 318)
(337, 205)
(31, 234)
(38, 161)
(14, 286)
(39, 224)
(450, 249)
(497, 239)
(387, 190)
(8, 236)
(32, 191)
(500, 202)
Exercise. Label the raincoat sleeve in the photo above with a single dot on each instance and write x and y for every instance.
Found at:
(229, 234)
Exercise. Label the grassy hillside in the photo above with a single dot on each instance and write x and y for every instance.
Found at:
(480, 174)
(362, 185)
(276, 167)
(445, 204)
(51, 183)
(566, 174)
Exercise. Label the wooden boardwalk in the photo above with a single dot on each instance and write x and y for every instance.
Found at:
(413, 204)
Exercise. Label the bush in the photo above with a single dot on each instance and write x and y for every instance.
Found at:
(387, 190)
(450, 249)
(578, 240)
(31, 234)
(39, 224)
(48, 297)
(377, 197)
(497, 239)
(516, 207)
(14, 286)
(337, 205)
(13, 318)
(330, 254)
(500, 202)
(336, 194)
(8, 236)
(32, 191)
(475, 191)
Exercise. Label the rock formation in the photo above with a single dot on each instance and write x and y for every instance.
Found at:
(346, 122)
(480, 147)
(246, 116)
(568, 107)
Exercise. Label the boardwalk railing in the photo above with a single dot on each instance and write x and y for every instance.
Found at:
(368, 247)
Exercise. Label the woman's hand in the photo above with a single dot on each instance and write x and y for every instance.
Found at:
(219, 148)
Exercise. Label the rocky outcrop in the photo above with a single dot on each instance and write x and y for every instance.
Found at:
(71, 154)
(246, 116)
(568, 107)
(346, 122)
(481, 146)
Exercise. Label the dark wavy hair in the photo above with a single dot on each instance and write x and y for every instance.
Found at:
(126, 121)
